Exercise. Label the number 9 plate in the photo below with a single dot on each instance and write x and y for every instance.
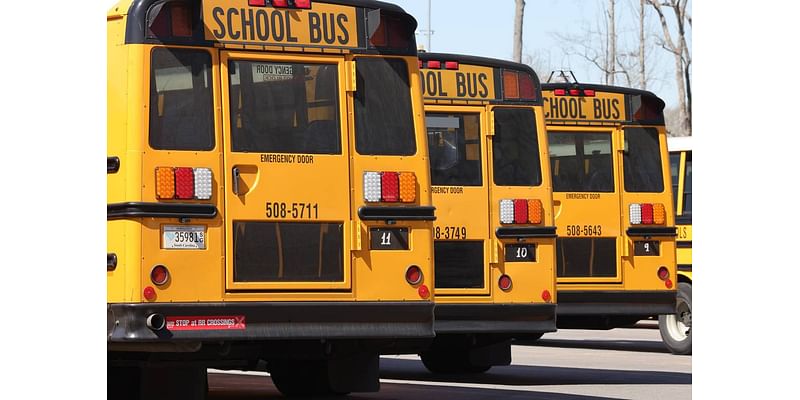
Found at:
(191, 237)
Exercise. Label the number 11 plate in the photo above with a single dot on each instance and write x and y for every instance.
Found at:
(186, 237)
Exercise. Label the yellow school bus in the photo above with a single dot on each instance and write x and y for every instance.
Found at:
(612, 203)
(676, 328)
(268, 193)
(494, 236)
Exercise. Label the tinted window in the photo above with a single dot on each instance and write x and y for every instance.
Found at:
(515, 148)
(181, 107)
(581, 162)
(642, 161)
(384, 122)
(284, 107)
(455, 149)
(285, 252)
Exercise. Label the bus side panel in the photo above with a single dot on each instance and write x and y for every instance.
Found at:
(122, 243)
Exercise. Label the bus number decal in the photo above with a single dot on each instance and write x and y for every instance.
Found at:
(292, 210)
(520, 252)
(584, 230)
(450, 232)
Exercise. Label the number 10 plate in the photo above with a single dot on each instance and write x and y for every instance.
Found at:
(191, 237)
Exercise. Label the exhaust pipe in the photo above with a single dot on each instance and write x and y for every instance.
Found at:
(156, 322)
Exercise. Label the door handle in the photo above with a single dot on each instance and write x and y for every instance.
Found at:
(236, 177)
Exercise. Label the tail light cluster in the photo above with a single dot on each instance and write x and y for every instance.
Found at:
(183, 183)
(521, 211)
(574, 92)
(648, 214)
(390, 187)
(663, 274)
(518, 85)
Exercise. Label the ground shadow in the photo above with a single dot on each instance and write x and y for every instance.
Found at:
(248, 387)
(531, 375)
(646, 346)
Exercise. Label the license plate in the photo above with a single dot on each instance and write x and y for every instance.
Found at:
(183, 237)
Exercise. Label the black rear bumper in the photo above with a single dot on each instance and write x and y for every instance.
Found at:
(615, 303)
(495, 318)
(127, 323)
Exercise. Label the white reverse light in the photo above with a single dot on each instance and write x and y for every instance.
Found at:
(372, 187)
(506, 211)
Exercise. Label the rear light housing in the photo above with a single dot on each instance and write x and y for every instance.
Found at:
(663, 273)
(183, 183)
(521, 211)
(390, 187)
(519, 85)
(414, 275)
(159, 275)
(647, 214)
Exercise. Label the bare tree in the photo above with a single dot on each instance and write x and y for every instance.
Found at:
(681, 53)
(612, 42)
(642, 69)
(518, 19)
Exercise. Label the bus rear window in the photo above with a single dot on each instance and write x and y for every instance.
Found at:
(181, 107)
(284, 107)
(581, 162)
(516, 148)
(642, 161)
(384, 121)
(455, 149)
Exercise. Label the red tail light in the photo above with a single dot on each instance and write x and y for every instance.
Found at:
(149, 293)
(280, 3)
(668, 283)
(424, 292)
(159, 275)
(663, 273)
(527, 89)
(184, 183)
(574, 92)
(560, 92)
(390, 187)
(451, 65)
(546, 296)
(520, 211)
(181, 20)
(305, 4)
(504, 282)
(434, 64)
(647, 214)
(414, 275)
(257, 3)
(589, 93)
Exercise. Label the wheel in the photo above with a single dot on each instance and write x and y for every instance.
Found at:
(451, 363)
(676, 329)
(302, 378)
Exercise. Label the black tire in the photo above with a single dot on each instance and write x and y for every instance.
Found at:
(294, 378)
(451, 363)
(676, 329)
